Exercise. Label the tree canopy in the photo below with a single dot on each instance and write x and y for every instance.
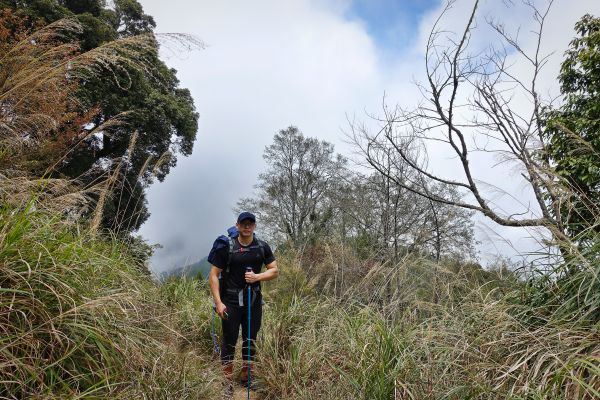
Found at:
(308, 195)
(574, 129)
(147, 102)
(293, 198)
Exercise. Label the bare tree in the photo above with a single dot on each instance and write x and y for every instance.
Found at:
(467, 96)
(393, 221)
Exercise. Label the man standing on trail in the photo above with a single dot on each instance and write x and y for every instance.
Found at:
(239, 265)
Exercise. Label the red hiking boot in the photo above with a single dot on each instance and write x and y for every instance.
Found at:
(228, 382)
(247, 372)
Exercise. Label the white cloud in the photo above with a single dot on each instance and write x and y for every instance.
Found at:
(269, 64)
(273, 63)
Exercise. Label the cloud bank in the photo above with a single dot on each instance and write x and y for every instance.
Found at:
(270, 64)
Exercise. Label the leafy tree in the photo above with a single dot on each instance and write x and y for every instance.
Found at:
(293, 194)
(41, 71)
(574, 129)
(148, 101)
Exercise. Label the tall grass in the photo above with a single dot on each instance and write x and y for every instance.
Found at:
(79, 318)
(460, 336)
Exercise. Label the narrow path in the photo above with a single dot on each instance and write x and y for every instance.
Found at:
(241, 393)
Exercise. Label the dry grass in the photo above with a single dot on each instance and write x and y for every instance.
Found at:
(400, 334)
(41, 70)
(80, 318)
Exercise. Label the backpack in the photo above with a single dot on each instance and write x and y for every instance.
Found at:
(229, 243)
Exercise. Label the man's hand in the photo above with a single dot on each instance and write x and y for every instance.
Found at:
(251, 277)
(221, 310)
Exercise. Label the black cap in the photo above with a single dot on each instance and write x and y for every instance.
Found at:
(246, 215)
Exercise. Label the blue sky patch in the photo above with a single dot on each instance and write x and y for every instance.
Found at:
(392, 23)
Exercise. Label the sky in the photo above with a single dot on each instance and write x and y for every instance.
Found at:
(315, 64)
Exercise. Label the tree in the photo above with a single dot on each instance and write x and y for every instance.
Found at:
(145, 100)
(573, 130)
(41, 70)
(293, 193)
(307, 194)
(392, 221)
(459, 79)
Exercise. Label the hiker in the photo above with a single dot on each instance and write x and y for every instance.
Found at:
(230, 262)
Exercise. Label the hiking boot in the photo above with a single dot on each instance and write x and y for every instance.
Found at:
(228, 382)
(228, 390)
(244, 376)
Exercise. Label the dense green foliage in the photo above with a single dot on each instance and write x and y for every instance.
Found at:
(79, 314)
(148, 101)
(574, 129)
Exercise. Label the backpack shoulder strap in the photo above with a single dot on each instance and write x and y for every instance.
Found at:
(233, 250)
(230, 255)
(261, 246)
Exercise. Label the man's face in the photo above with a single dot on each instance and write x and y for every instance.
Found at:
(246, 227)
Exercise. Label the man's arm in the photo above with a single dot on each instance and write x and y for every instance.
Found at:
(272, 272)
(213, 281)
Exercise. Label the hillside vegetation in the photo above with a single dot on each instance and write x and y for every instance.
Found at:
(380, 294)
(82, 319)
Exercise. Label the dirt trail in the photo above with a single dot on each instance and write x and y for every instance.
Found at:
(241, 393)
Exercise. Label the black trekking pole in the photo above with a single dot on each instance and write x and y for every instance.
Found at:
(249, 269)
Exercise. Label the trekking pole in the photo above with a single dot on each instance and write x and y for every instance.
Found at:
(213, 332)
(249, 269)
